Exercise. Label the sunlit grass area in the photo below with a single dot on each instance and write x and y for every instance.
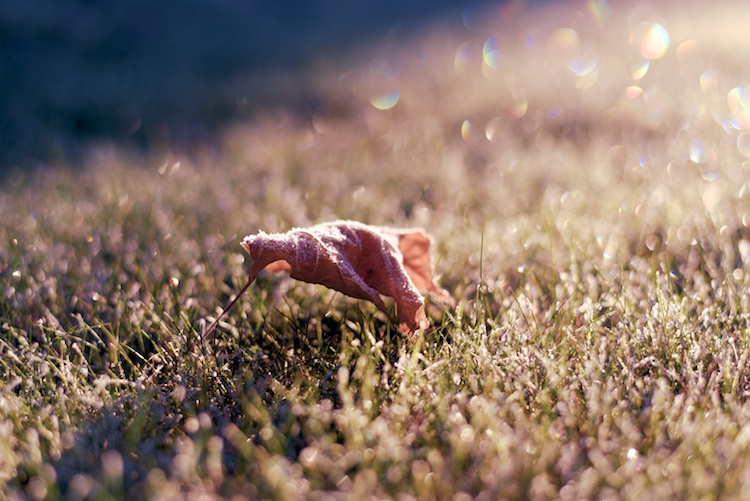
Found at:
(584, 172)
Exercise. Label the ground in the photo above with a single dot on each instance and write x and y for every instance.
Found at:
(583, 170)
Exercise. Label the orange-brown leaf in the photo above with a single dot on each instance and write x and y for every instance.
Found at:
(359, 260)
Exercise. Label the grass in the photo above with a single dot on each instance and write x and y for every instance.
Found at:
(591, 223)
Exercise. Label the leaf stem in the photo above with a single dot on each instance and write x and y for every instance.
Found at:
(208, 335)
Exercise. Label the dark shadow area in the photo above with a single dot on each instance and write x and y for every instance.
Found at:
(137, 71)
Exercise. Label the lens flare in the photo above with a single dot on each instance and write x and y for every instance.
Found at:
(386, 101)
(654, 42)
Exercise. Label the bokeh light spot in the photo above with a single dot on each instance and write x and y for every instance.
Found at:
(490, 53)
(633, 92)
(738, 101)
(709, 81)
(493, 128)
(743, 143)
(582, 65)
(386, 101)
(518, 110)
(654, 42)
(385, 69)
(467, 131)
(586, 68)
(639, 68)
(599, 9)
(587, 80)
(462, 58)
(698, 153)
(709, 173)
(688, 51)
(531, 37)
(473, 15)
(564, 42)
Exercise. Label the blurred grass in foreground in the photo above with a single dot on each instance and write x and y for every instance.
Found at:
(584, 173)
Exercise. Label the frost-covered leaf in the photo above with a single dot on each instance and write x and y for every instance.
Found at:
(359, 260)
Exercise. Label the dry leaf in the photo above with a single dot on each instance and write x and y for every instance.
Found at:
(359, 260)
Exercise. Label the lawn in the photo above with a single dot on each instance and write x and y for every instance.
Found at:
(584, 171)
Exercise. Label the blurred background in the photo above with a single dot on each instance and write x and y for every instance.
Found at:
(143, 74)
